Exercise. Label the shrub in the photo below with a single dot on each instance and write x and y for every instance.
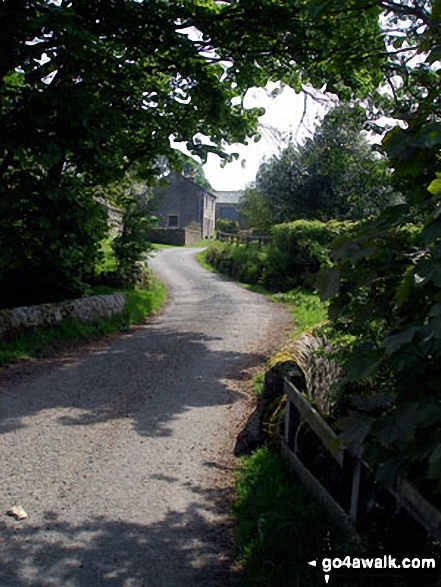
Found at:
(230, 226)
(299, 250)
(50, 245)
(307, 244)
(385, 310)
(131, 243)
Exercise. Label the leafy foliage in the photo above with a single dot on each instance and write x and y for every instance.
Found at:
(254, 209)
(130, 245)
(230, 226)
(88, 93)
(386, 315)
(336, 174)
(385, 285)
(298, 251)
(49, 242)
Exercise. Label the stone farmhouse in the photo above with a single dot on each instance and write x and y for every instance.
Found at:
(181, 204)
(187, 212)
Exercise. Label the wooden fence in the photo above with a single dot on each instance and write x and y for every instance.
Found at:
(242, 238)
(339, 476)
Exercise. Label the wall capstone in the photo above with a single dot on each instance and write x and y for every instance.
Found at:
(15, 320)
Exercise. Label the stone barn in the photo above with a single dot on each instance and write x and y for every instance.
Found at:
(183, 204)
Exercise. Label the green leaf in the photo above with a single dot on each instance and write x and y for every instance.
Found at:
(435, 310)
(405, 287)
(436, 454)
(328, 283)
(367, 404)
(432, 232)
(435, 463)
(394, 342)
(355, 428)
(351, 251)
(435, 187)
(399, 426)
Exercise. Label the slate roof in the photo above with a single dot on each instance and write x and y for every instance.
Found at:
(227, 197)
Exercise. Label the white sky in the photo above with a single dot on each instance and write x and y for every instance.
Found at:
(283, 115)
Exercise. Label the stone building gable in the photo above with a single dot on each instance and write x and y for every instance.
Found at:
(182, 202)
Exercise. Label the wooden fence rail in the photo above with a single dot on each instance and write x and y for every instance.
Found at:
(241, 238)
(345, 487)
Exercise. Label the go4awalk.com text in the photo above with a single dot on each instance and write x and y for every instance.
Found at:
(385, 566)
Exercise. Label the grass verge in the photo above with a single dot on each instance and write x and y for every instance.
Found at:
(140, 304)
(279, 526)
(202, 243)
(201, 258)
(159, 246)
(305, 307)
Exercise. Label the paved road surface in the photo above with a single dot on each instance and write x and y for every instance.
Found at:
(120, 455)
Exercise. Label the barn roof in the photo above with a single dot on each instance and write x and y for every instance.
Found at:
(227, 197)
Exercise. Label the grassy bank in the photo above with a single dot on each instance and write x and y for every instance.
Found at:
(140, 304)
(279, 525)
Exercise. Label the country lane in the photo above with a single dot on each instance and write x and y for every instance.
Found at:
(122, 455)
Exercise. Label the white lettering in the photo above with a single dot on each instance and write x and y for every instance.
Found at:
(326, 565)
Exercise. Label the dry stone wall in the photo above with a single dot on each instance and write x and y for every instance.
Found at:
(174, 236)
(15, 320)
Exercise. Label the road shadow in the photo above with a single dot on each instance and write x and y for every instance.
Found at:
(150, 376)
(101, 552)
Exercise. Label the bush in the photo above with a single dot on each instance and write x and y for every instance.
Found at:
(230, 226)
(131, 243)
(307, 243)
(385, 313)
(299, 250)
(50, 245)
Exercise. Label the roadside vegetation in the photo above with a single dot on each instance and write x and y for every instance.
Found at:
(297, 252)
(357, 323)
(97, 131)
(279, 526)
(140, 303)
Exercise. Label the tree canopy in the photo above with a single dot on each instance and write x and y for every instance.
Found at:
(89, 92)
(333, 175)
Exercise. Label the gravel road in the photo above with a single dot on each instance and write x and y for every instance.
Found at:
(121, 454)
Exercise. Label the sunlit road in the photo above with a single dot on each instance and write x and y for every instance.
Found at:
(120, 455)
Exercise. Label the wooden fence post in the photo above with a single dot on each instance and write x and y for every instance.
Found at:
(356, 476)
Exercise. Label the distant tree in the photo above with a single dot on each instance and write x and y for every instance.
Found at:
(254, 210)
(194, 169)
(335, 174)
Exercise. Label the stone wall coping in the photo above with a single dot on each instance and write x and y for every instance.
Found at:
(88, 309)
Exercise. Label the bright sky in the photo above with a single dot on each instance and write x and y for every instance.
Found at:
(282, 119)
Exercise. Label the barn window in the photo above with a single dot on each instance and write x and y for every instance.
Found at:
(173, 220)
